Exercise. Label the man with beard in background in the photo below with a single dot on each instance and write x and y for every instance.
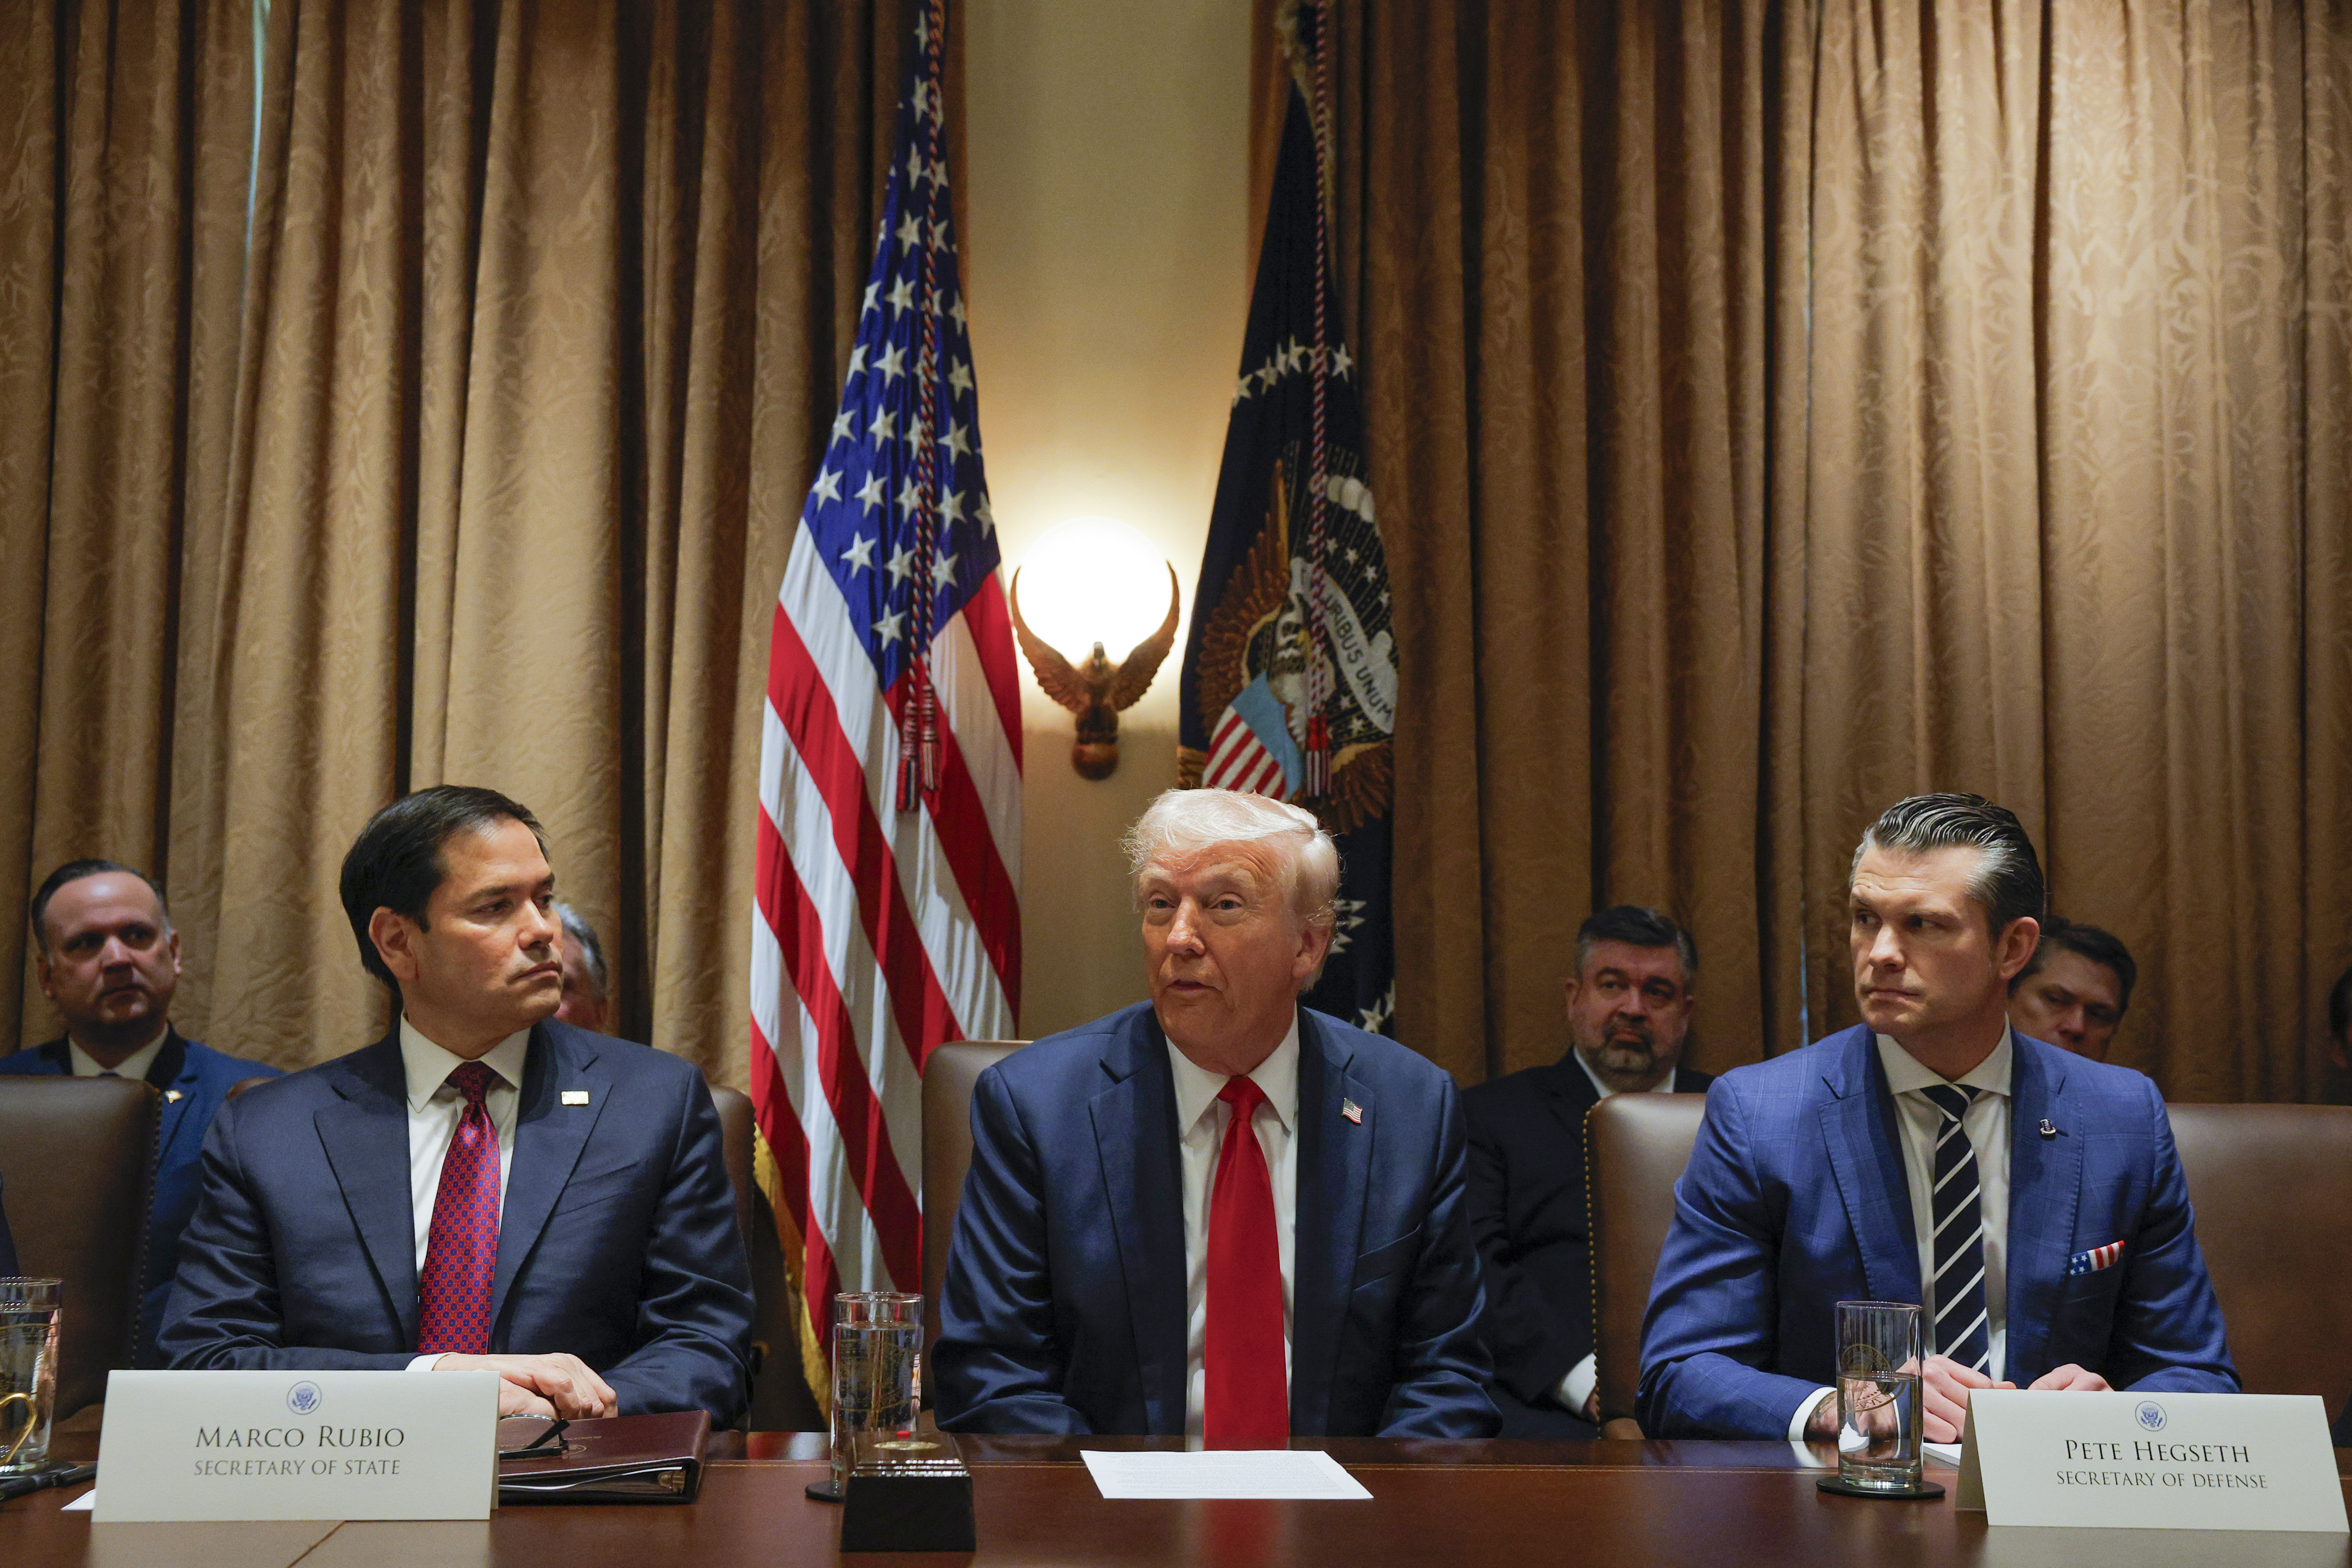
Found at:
(1629, 1012)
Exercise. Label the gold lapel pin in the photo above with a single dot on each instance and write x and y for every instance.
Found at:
(575, 1097)
(174, 1096)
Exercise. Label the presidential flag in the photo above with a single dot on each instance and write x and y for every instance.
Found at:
(1290, 684)
(888, 915)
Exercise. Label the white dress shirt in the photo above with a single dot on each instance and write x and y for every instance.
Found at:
(1577, 1386)
(434, 1109)
(1985, 1127)
(1200, 1119)
(135, 1065)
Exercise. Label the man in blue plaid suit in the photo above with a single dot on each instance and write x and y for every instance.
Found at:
(2029, 1200)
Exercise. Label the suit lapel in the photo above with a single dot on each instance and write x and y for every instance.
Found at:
(1134, 1140)
(2045, 1189)
(176, 1075)
(365, 1135)
(1334, 1165)
(1570, 1097)
(548, 1142)
(1858, 1126)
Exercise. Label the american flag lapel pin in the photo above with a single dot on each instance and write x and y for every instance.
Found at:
(1352, 1112)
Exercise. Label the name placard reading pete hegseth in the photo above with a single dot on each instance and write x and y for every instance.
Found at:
(2149, 1462)
(298, 1444)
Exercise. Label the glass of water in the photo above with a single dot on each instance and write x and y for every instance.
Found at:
(28, 1371)
(877, 1348)
(1878, 1396)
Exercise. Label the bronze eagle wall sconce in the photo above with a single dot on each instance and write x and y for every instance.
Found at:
(1096, 690)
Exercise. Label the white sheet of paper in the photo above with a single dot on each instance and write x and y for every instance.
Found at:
(1943, 1453)
(1223, 1473)
(83, 1503)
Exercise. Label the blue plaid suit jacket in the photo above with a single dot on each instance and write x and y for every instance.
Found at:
(1795, 1199)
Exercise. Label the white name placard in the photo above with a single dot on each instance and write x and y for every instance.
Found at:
(298, 1444)
(2149, 1462)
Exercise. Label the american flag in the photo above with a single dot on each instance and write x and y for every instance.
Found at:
(889, 846)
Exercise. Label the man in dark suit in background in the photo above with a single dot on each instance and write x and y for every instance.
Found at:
(587, 982)
(1217, 1213)
(2076, 988)
(1629, 1012)
(484, 1188)
(105, 953)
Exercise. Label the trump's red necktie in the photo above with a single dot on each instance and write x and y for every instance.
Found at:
(461, 1255)
(1247, 1400)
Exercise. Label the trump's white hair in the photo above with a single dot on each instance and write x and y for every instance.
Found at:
(1185, 823)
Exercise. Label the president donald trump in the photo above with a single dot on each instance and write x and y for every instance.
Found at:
(1218, 1214)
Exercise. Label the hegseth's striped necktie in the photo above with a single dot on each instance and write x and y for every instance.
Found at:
(1962, 1330)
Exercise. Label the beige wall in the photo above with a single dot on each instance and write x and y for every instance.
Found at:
(1106, 266)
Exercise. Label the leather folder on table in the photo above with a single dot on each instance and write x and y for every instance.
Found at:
(622, 1459)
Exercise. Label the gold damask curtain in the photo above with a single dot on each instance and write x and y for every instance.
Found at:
(1775, 410)
(475, 457)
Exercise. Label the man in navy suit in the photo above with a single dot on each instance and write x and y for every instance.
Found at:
(2029, 1199)
(1219, 1213)
(105, 953)
(484, 1187)
(1629, 1012)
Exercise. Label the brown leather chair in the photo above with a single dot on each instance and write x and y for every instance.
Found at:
(2271, 1185)
(947, 1078)
(1636, 1146)
(78, 1157)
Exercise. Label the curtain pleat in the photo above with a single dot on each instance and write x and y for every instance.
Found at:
(480, 464)
(1778, 410)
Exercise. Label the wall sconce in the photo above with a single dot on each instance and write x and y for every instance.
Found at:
(1095, 580)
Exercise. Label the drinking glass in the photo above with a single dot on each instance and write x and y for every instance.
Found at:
(1878, 1396)
(29, 1312)
(877, 1346)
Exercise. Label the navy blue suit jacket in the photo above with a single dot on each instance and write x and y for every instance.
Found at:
(1064, 1311)
(617, 1241)
(1529, 1217)
(193, 1079)
(1796, 1199)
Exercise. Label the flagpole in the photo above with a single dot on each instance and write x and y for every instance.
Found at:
(1318, 780)
(919, 765)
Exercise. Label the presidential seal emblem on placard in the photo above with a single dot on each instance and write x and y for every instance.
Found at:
(304, 1398)
(2148, 1416)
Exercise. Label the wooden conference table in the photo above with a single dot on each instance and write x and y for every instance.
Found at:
(1619, 1503)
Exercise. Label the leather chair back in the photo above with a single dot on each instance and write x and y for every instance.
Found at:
(1636, 1146)
(77, 1156)
(2271, 1185)
(734, 1108)
(947, 1078)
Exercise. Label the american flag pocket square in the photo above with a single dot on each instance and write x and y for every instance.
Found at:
(2098, 1258)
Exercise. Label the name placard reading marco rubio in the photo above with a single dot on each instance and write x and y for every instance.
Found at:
(2149, 1462)
(298, 1444)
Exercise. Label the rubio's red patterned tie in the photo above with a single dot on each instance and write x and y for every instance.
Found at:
(1246, 1400)
(461, 1255)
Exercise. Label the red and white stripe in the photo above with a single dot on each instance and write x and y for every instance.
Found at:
(878, 934)
(1239, 759)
